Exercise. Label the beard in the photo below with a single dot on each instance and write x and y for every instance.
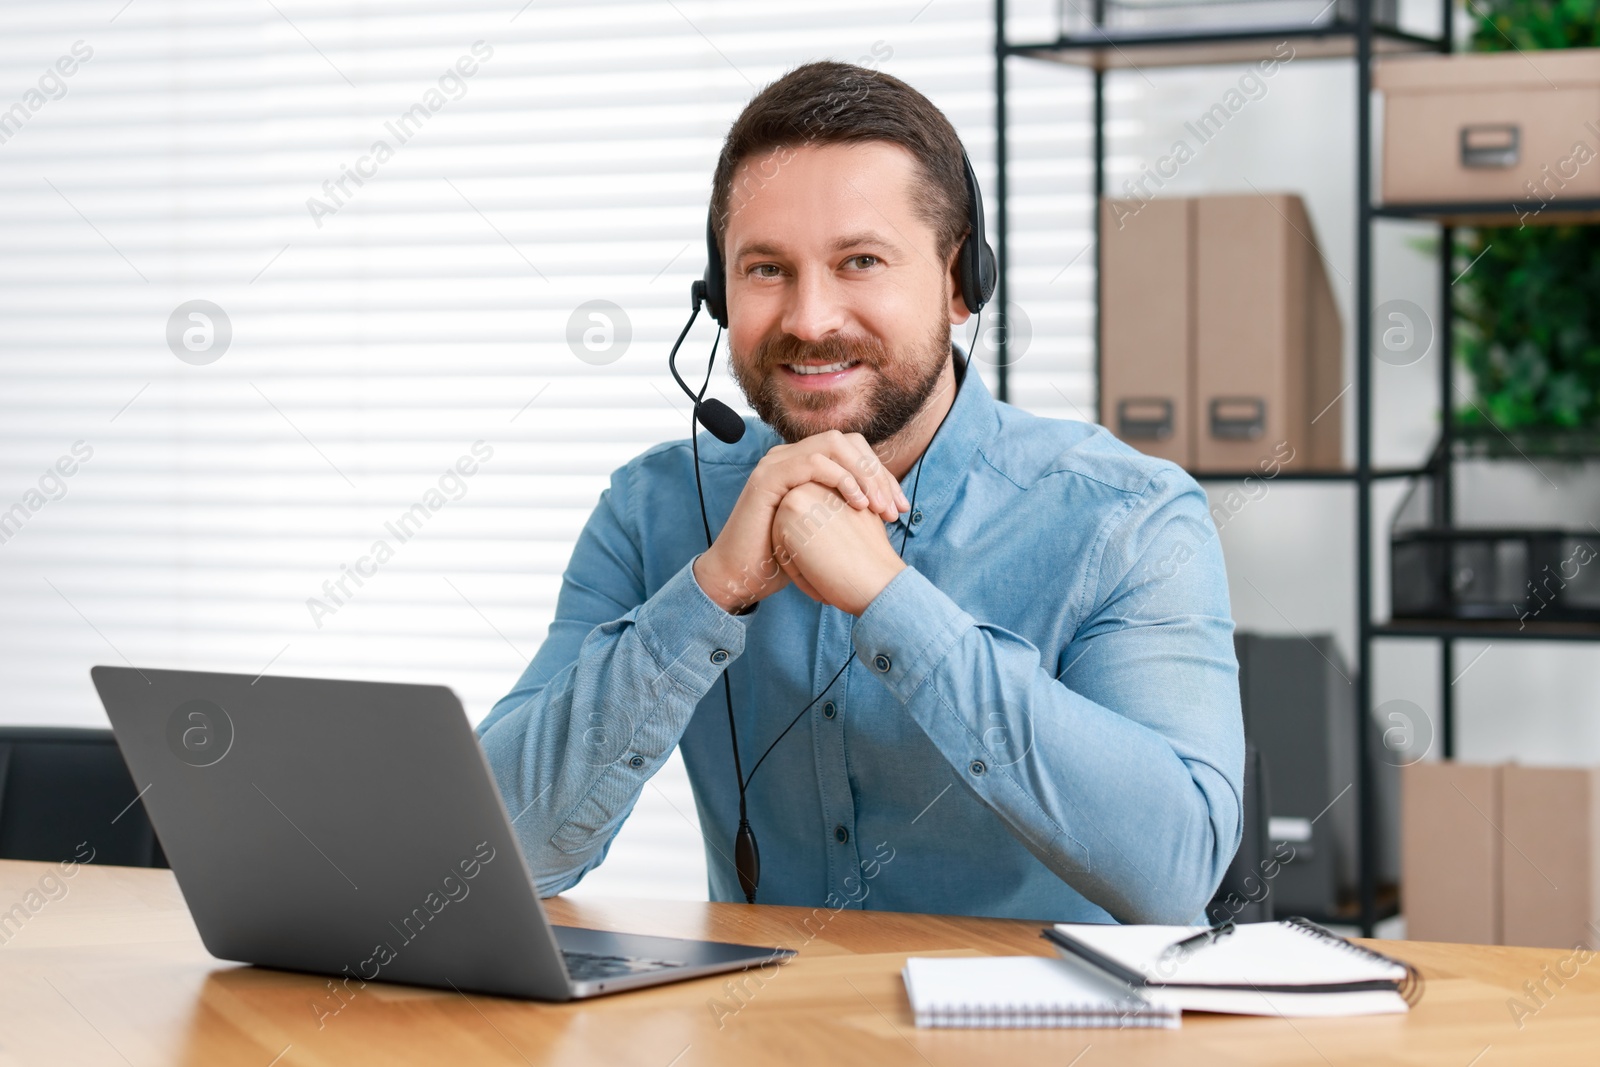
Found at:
(898, 386)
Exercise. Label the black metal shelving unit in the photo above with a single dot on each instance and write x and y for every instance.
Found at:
(1102, 50)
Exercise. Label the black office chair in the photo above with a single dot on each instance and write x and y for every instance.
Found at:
(1245, 895)
(65, 791)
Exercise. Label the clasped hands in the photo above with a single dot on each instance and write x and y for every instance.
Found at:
(812, 513)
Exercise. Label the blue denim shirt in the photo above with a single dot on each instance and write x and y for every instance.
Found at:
(1040, 717)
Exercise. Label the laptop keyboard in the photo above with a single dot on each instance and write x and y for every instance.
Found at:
(589, 966)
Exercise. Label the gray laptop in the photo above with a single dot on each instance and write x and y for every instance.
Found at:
(354, 829)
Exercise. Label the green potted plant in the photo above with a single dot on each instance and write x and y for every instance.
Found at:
(1528, 308)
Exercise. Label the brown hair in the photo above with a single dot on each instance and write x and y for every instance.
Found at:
(828, 102)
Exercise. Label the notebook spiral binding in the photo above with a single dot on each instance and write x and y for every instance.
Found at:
(1030, 1016)
(1409, 988)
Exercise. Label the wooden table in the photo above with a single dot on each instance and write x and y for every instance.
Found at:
(111, 971)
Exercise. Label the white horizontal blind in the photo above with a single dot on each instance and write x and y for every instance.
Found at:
(397, 370)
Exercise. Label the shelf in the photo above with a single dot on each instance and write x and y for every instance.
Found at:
(1490, 629)
(1340, 476)
(1474, 441)
(1100, 49)
(1496, 212)
(1114, 49)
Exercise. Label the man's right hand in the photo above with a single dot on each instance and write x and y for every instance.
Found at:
(739, 568)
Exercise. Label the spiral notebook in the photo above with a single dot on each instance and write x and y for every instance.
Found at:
(1293, 968)
(1024, 991)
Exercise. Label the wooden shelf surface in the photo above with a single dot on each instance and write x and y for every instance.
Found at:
(1496, 212)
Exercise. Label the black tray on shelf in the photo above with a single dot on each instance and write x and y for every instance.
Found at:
(1548, 575)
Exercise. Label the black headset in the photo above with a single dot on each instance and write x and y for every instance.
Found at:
(978, 272)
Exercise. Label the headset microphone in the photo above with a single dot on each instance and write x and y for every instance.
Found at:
(723, 422)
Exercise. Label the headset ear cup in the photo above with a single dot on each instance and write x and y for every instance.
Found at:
(978, 274)
(990, 272)
(716, 295)
(703, 291)
(971, 268)
(716, 299)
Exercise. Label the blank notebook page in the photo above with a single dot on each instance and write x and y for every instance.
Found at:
(1266, 954)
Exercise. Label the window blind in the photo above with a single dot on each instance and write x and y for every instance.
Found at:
(301, 371)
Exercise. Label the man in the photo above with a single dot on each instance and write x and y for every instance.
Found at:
(1040, 713)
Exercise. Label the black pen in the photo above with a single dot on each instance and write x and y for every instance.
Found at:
(1180, 949)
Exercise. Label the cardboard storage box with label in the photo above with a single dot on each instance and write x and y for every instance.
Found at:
(1220, 342)
(1503, 127)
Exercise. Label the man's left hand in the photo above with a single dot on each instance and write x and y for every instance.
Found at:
(834, 553)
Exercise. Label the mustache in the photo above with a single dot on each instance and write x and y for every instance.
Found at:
(786, 348)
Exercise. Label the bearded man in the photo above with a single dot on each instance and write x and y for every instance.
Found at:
(972, 660)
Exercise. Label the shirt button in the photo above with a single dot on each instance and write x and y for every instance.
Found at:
(881, 662)
(916, 517)
(840, 834)
(636, 762)
(977, 767)
(720, 656)
(829, 711)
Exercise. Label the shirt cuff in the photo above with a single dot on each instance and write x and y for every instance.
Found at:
(907, 631)
(691, 638)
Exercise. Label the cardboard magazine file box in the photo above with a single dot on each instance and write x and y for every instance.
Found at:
(1503, 126)
(1220, 341)
(1146, 326)
(1450, 852)
(1268, 341)
(1550, 884)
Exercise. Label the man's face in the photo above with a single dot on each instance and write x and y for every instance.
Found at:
(829, 266)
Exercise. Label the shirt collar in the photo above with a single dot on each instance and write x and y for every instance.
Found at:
(971, 422)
